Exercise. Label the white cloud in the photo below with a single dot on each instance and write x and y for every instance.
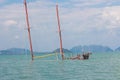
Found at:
(2, 1)
(16, 37)
(76, 21)
(10, 23)
(111, 16)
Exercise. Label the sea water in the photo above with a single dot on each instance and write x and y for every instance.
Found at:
(99, 67)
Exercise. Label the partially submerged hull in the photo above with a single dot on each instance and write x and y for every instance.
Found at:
(84, 56)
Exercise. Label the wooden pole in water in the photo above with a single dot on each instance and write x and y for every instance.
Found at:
(59, 30)
(29, 34)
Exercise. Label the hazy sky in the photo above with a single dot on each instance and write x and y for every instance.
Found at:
(83, 22)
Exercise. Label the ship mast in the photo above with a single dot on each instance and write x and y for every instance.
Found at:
(59, 30)
(28, 28)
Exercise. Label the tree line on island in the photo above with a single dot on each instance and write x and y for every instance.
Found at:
(76, 49)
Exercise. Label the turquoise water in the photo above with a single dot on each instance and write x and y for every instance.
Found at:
(98, 67)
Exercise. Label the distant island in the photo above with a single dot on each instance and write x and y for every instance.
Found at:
(14, 51)
(64, 50)
(91, 48)
(118, 49)
(76, 49)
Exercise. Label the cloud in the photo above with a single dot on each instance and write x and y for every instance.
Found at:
(81, 21)
(16, 37)
(10, 23)
(111, 17)
(2, 1)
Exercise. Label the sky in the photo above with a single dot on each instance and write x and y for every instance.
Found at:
(83, 22)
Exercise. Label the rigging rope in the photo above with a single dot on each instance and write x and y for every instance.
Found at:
(45, 56)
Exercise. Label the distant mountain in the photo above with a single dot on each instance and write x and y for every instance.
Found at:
(14, 51)
(91, 48)
(118, 49)
(64, 50)
(76, 49)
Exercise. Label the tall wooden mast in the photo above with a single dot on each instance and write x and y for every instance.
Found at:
(28, 28)
(59, 30)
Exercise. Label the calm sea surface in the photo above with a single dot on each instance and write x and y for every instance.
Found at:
(98, 67)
